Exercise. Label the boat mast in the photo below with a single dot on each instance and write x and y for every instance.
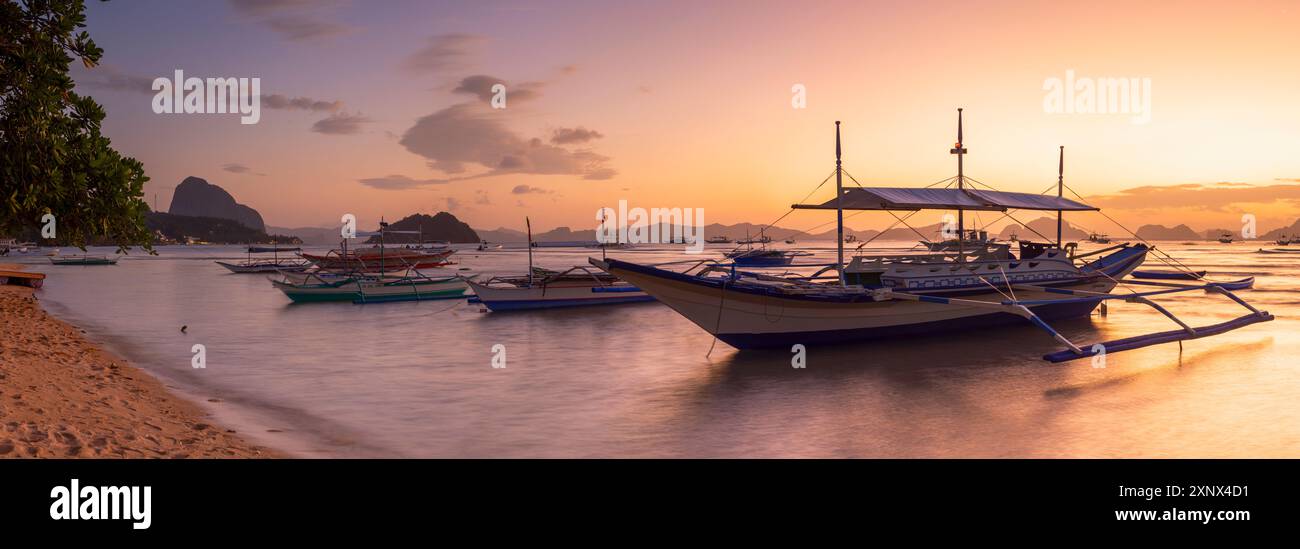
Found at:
(961, 184)
(839, 207)
(1060, 188)
(529, 225)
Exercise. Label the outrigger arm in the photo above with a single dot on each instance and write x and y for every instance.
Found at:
(1021, 308)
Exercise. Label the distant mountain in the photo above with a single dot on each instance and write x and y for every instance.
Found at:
(442, 226)
(215, 230)
(1275, 234)
(1045, 226)
(198, 198)
(501, 234)
(1161, 232)
(311, 236)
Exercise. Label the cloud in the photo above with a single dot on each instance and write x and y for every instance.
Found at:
(240, 169)
(481, 197)
(295, 20)
(340, 123)
(525, 189)
(108, 77)
(277, 101)
(304, 28)
(452, 203)
(469, 133)
(1216, 197)
(444, 51)
(480, 85)
(399, 182)
(570, 136)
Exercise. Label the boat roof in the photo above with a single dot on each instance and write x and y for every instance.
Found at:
(906, 198)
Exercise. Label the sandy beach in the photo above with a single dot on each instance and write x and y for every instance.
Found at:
(63, 396)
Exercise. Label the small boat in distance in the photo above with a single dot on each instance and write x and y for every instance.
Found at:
(719, 239)
(83, 260)
(1284, 241)
(264, 265)
(763, 257)
(974, 240)
(1225, 238)
(1098, 238)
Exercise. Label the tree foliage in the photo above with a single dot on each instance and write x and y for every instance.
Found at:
(53, 158)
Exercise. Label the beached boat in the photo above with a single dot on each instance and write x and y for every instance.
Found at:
(15, 277)
(274, 264)
(83, 260)
(880, 297)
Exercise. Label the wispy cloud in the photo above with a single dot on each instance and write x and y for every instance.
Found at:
(397, 182)
(109, 77)
(480, 85)
(239, 169)
(277, 101)
(443, 52)
(570, 136)
(296, 20)
(341, 123)
(1215, 197)
(525, 189)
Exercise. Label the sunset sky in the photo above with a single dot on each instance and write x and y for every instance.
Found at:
(688, 104)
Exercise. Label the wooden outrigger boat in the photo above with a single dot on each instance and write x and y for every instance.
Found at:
(83, 260)
(880, 297)
(309, 287)
(272, 265)
(380, 258)
(579, 286)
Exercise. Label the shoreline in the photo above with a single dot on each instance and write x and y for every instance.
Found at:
(64, 396)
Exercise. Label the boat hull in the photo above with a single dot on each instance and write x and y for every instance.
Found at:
(751, 319)
(551, 297)
(263, 268)
(373, 291)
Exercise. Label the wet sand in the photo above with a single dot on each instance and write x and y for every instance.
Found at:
(63, 396)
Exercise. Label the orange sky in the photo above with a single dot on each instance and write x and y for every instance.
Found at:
(693, 105)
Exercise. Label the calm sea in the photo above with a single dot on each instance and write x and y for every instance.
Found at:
(416, 379)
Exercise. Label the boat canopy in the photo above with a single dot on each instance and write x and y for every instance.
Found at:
(905, 198)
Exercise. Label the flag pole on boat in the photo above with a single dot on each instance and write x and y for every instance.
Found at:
(960, 151)
(1060, 189)
(839, 207)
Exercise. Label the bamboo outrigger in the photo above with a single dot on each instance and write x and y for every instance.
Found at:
(879, 297)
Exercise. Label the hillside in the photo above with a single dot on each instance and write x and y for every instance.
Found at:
(208, 229)
(196, 197)
(442, 226)
(1161, 232)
